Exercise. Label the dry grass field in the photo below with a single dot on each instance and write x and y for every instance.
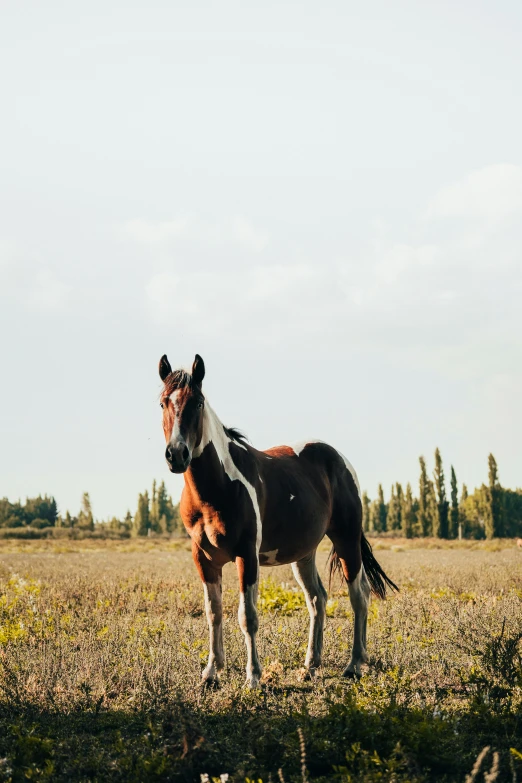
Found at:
(102, 645)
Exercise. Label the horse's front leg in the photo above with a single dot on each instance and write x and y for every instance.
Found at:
(212, 587)
(248, 573)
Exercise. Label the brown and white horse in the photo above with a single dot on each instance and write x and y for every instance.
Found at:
(264, 508)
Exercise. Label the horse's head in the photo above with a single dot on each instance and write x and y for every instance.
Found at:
(182, 401)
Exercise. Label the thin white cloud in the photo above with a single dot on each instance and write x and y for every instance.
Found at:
(394, 261)
(28, 281)
(491, 193)
(47, 292)
(154, 232)
(238, 230)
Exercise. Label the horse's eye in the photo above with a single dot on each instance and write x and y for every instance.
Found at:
(161, 405)
(200, 404)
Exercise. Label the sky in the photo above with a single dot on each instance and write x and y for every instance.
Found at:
(324, 200)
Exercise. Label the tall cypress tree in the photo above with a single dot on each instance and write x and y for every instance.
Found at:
(142, 516)
(394, 508)
(374, 517)
(407, 513)
(442, 503)
(85, 517)
(494, 518)
(463, 512)
(365, 512)
(382, 509)
(455, 527)
(423, 520)
(432, 511)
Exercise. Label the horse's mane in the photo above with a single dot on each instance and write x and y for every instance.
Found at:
(177, 379)
(180, 379)
(234, 434)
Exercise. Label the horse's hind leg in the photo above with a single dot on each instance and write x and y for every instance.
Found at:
(305, 572)
(349, 554)
(359, 591)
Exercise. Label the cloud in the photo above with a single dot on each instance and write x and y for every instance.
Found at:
(395, 260)
(47, 292)
(29, 282)
(154, 232)
(237, 229)
(491, 193)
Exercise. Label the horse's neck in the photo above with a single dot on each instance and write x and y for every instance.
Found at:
(213, 432)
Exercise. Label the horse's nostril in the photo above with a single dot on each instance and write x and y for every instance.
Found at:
(168, 454)
(185, 454)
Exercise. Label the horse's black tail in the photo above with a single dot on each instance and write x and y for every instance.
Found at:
(376, 576)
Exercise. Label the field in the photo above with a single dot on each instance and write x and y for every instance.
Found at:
(101, 649)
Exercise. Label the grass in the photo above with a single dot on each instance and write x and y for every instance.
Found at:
(102, 645)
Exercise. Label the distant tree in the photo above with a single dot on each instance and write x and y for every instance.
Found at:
(494, 516)
(68, 520)
(455, 526)
(167, 517)
(85, 517)
(424, 522)
(512, 512)
(442, 503)
(365, 512)
(432, 510)
(382, 509)
(408, 516)
(127, 522)
(41, 508)
(373, 525)
(141, 525)
(154, 510)
(394, 508)
(463, 519)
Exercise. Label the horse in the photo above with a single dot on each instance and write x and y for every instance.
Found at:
(264, 508)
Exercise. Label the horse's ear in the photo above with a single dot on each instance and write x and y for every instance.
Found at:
(198, 370)
(164, 367)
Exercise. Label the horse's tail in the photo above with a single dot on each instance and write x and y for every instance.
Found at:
(376, 576)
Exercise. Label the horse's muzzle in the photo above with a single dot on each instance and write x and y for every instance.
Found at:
(178, 457)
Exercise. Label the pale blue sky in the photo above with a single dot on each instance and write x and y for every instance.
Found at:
(323, 200)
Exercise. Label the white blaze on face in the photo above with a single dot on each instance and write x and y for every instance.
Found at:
(174, 436)
(213, 432)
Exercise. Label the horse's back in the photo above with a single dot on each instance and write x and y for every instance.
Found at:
(305, 488)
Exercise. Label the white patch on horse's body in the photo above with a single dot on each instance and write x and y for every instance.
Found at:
(271, 557)
(241, 445)
(299, 447)
(302, 444)
(353, 473)
(213, 432)
(292, 497)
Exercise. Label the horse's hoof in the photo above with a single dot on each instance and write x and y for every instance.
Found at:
(306, 674)
(210, 683)
(252, 683)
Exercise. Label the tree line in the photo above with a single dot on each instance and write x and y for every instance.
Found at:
(155, 513)
(491, 511)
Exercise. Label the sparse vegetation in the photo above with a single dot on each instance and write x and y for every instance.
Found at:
(101, 650)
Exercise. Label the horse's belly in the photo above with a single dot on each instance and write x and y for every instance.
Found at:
(283, 546)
